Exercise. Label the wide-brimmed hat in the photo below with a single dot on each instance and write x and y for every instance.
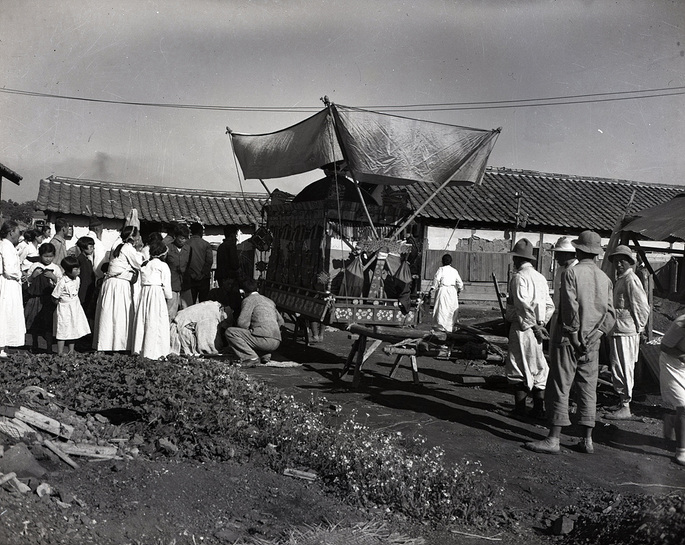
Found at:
(588, 242)
(94, 221)
(564, 245)
(523, 248)
(624, 251)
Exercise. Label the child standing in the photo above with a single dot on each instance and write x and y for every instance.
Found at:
(42, 277)
(70, 321)
(151, 337)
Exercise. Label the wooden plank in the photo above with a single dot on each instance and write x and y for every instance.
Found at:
(361, 349)
(369, 351)
(38, 420)
(415, 370)
(61, 454)
(307, 475)
(87, 449)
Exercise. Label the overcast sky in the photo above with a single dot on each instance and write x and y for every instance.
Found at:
(365, 53)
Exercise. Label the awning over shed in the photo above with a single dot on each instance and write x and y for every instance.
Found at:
(664, 222)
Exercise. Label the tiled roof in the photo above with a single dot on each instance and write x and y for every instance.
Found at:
(551, 201)
(159, 204)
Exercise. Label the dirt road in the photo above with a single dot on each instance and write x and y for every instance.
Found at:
(472, 422)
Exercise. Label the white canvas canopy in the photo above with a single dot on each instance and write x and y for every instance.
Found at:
(378, 148)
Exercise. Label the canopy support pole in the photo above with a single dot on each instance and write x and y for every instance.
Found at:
(643, 256)
(468, 156)
(354, 178)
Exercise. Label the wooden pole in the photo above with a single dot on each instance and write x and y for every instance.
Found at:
(354, 179)
(468, 156)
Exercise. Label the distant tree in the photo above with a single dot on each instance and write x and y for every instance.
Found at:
(23, 212)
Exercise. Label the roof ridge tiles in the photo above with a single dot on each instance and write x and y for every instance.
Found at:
(141, 188)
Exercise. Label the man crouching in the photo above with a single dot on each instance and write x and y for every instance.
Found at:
(258, 331)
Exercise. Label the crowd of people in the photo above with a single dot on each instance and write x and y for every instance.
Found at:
(151, 297)
(154, 298)
(585, 307)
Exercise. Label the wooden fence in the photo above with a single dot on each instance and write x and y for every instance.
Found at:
(476, 269)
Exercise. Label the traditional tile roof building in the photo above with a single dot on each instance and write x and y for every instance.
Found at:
(555, 203)
(60, 196)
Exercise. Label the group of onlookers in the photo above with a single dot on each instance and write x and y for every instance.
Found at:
(127, 296)
(586, 306)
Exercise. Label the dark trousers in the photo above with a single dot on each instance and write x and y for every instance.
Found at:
(199, 290)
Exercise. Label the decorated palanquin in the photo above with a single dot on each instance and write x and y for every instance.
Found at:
(325, 262)
(367, 156)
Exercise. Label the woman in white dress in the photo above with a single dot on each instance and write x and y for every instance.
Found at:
(12, 326)
(448, 284)
(115, 309)
(151, 337)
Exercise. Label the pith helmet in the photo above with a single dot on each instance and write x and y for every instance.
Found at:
(564, 245)
(588, 242)
(523, 248)
(623, 251)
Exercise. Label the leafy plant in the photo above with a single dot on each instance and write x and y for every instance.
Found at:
(209, 410)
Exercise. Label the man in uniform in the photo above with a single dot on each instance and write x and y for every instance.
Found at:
(586, 313)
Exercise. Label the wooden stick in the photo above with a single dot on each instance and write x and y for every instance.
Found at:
(85, 449)
(307, 475)
(64, 457)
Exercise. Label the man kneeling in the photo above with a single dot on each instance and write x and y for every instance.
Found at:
(258, 331)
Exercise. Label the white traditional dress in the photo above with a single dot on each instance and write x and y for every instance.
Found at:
(151, 337)
(70, 322)
(12, 326)
(530, 305)
(447, 282)
(115, 309)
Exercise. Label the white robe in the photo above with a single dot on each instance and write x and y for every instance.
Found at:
(115, 309)
(12, 325)
(447, 282)
(151, 337)
(530, 305)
